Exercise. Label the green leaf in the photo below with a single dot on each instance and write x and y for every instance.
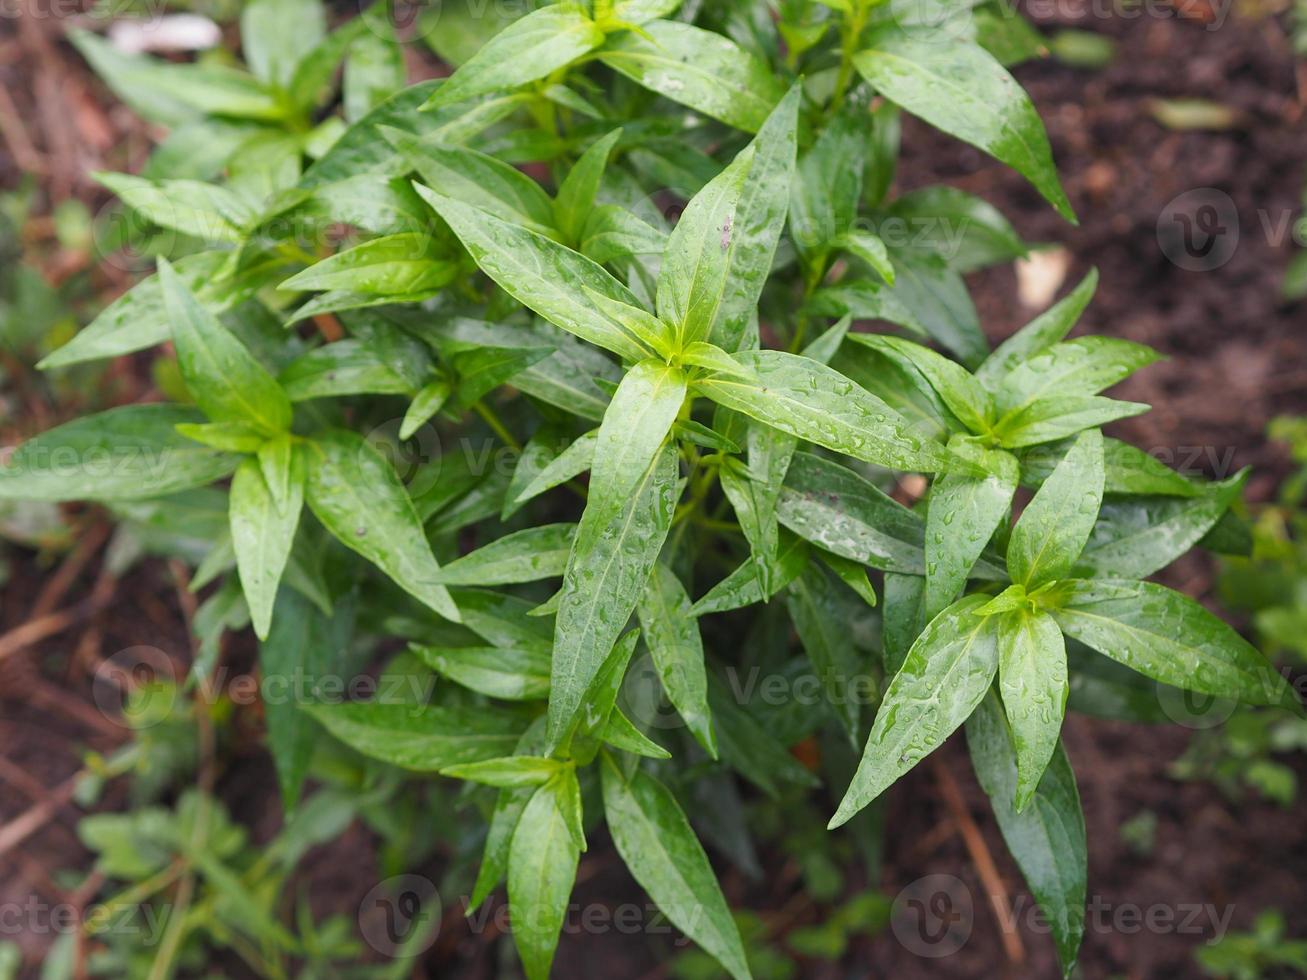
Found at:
(533, 47)
(137, 319)
(965, 510)
(503, 822)
(509, 673)
(655, 840)
(943, 678)
(904, 617)
(276, 34)
(1127, 469)
(697, 68)
(821, 620)
(612, 232)
(142, 83)
(742, 587)
(633, 488)
(928, 296)
(1138, 536)
(576, 194)
(1039, 334)
(1032, 677)
(1084, 366)
(827, 184)
(1055, 525)
(1059, 416)
(960, 88)
(128, 453)
(620, 733)
(389, 266)
(541, 274)
(353, 490)
(956, 387)
(523, 556)
(478, 179)
(809, 400)
(221, 374)
(1047, 839)
(720, 252)
(347, 367)
(426, 403)
(262, 531)
(572, 461)
(672, 635)
(419, 737)
(1168, 637)
(870, 249)
(510, 772)
(205, 211)
(303, 645)
(541, 869)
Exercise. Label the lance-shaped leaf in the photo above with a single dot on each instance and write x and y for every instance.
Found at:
(262, 532)
(223, 377)
(976, 233)
(192, 207)
(944, 676)
(1084, 366)
(720, 252)
(904, 617)
(809, 400)
(1040, 333)
(697, 68)
(1054, 527)
(1059, 416)
(1032, 677)
(1047, 839)
(1137, 536)
(576, 194)
(541, 274)
(128, 453)
(395, 265)
(478, 179)
(510, 772)
(1126, 469)
(671, 632)
(302, 645)
(276, 34)
(657, 843)
(572, 461)
(523, 556)
(965, 510)
(422, 738)
(354, 491)
(1168, 637)
(541, 869)
(960, 88)
(743, 588)
(533, 47)
(632, 494)
(512, 673)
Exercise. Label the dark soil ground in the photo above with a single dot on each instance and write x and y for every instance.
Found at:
(1237, 357)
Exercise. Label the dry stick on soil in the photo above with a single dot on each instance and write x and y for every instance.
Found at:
(983, 860)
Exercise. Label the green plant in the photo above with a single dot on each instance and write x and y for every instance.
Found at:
(1264, 952)
(744, 431)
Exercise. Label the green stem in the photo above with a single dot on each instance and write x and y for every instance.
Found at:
(497, 427)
